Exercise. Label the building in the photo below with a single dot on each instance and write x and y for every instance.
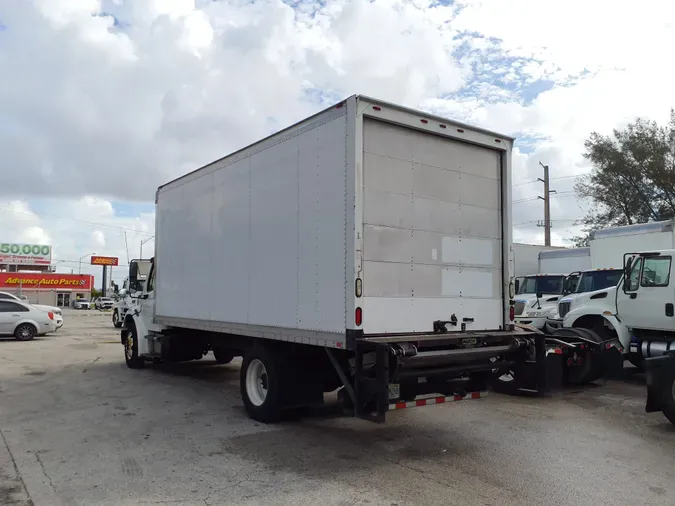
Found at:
(48, 287)
(26, 269)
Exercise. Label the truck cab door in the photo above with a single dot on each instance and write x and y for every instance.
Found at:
(647, 300)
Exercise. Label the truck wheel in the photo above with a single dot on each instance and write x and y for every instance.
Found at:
(25, 332)
(223, 355)
(131, 348)
(583, 368)
(116, 319)
(260, 384)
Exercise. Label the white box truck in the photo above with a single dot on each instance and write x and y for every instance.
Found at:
(364, 249)
(526, 257)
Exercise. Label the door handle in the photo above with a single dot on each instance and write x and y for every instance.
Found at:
(633, 295)
(16, 315)
(670, 309)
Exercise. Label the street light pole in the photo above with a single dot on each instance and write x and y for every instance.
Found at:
(143, 242)
(79, 269)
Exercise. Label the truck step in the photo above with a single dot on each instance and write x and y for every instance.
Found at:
(436, 400)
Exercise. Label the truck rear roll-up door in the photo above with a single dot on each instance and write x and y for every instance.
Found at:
(432, 231)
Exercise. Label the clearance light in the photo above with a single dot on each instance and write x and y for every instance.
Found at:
(358, 316)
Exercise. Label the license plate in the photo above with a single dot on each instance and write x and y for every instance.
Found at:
(394, 390)
(469, 341)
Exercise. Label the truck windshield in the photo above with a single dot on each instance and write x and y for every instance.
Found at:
(541, 284)
(597, 280)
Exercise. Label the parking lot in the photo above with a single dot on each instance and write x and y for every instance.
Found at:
(79, 427)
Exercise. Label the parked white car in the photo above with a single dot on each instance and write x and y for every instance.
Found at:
(81, 304)
(103, 303)
(58, 314)
(24, 321)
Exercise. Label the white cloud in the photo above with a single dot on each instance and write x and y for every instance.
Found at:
(103, 100)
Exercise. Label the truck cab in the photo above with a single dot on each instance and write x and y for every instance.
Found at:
(646, 305)
(593, 289)
(132, 289)
(538, 295)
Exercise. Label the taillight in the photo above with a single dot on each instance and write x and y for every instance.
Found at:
(358, 316)
(51, 315)
(512, 313)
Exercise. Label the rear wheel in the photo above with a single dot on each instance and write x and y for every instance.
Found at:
(25, 332)
(580, 367)
(260, 384)
(223, 355)
(130, 341)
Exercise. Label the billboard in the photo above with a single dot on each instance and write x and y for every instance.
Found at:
(98, 260)
(40, 281)
(25, 254)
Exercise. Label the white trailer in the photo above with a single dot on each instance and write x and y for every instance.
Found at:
(526, 257)
(366, 247)
(564, 260)
(608, 245)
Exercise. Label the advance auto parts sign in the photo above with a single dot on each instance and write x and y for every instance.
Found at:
(25, 280)
(25, 254)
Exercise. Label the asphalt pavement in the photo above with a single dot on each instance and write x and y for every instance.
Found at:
(77, 427)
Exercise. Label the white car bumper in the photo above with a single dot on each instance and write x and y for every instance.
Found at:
(58, 319)
(536, 322)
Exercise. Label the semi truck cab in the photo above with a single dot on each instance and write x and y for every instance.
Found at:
(538, 295)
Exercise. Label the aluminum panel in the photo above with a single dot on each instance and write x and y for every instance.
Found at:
(259, 239)
(432, 230)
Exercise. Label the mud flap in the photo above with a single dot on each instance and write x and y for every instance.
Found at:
(611, 361)
(660, 372)
(555, 371)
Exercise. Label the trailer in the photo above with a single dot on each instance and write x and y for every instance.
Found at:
(526, 257)
(364, 249)
(564, 260)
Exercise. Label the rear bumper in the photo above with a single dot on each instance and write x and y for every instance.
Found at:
(396, 372)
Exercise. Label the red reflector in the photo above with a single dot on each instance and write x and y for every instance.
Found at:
(475, 395)
(497, 140)
(400, 405)
(377, 108)
(358, 316)
(423, 402)
(51, 315)
(512, 313)
(460, 130)
(424, 121)
(442, 125)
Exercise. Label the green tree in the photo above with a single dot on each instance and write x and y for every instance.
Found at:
(632, 178)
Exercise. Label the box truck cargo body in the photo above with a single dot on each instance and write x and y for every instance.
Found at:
(277, 236)
(608, 245)
(526, 257)
(367, 228)
(564, 261)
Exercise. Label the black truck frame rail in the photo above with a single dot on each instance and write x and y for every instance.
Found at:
(396, 371)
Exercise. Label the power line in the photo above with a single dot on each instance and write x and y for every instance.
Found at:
(551, 179)
(76, 220)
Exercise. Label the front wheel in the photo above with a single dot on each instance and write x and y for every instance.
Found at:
(260, 384)
(25, 332)
(130, 341)
(116, 320)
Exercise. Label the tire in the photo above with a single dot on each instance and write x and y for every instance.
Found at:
(223, 355)
(588, 370)
(260, 382)
(116, 320)
(25, 332)
(130, 341)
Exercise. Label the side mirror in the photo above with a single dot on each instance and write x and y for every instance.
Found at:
(539, 295)
(517, 285)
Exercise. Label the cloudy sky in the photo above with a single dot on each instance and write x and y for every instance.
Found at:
(104, 100)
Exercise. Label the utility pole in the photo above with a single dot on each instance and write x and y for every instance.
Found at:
(547, 206)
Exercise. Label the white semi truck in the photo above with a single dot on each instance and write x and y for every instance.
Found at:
(364, 249)
(128, 295)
